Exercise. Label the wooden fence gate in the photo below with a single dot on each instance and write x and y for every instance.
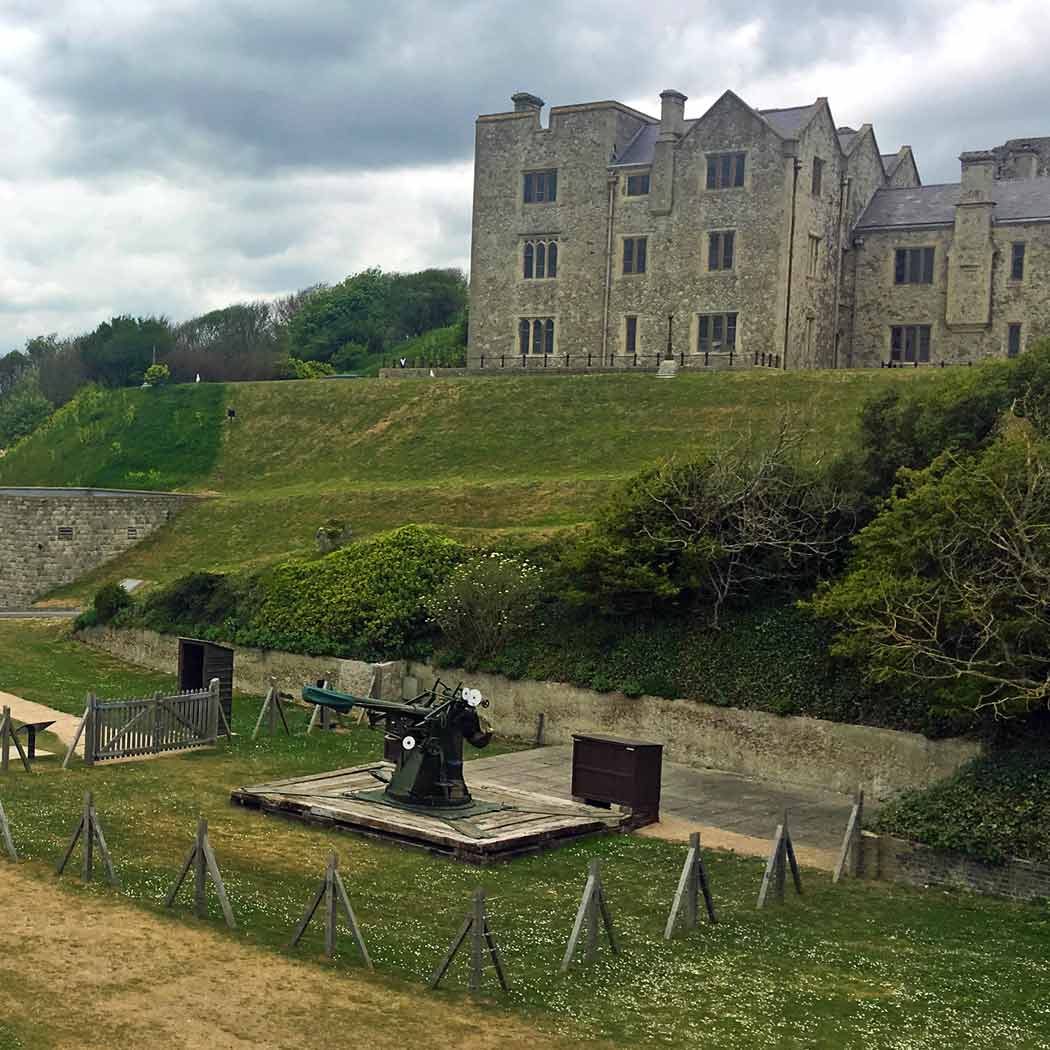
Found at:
(125, 728)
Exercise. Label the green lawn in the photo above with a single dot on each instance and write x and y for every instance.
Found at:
(858, 965)
(481, 457)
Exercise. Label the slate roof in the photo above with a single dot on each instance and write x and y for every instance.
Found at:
(789, 122)
(786, 122)
(890, 162)
(847, 136)
(1017, 200)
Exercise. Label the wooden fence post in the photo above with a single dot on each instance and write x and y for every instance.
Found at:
(475, 925)
(781, 855)
(692, 882)
(5, 831)
(592, 905)
(202, 860)
(851, 843)
(213, 711)
(91, 730)
(89, 831)
(7, 738)
(332, 893)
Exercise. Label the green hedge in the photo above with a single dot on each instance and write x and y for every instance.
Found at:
(996, 807)
(773, 657)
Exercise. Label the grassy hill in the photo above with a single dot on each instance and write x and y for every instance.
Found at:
(480, 457)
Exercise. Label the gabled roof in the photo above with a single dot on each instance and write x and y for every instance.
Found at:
(1017, 200)
(890, 161)
(847, 138)
(789, 122)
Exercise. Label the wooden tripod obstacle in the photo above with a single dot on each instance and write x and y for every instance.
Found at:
(272, 706)
(202, 860)
(90, 831)
(592, 905)
(781, 855)
(851, 854)
(5, 833)
(476, 925)
(692, 882)
(333, 893)
(8, 736)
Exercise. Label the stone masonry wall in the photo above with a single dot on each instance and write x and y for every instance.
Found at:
(881, 304)
(898, 860)
(37, 553)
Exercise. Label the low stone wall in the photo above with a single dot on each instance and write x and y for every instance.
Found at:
(898, 860)
(252, 668)
(793, 750)
(805, 751)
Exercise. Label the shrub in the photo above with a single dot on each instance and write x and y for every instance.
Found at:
(157, 375)
(486, 601)
(297, 369)
(996, 807)
(366, 599)
(947, 592)
(109, 600)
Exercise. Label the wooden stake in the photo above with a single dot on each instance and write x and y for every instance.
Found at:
(89, 832)
(202, 860)
(851, 842)
(592, 905)
(333, 893)
(781, 856)
(476, 924)
(692, 882)
(77, 735)
(5, 832)
(273, 707)
(7, 738)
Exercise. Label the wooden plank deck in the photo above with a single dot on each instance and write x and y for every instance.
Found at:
(526, 823)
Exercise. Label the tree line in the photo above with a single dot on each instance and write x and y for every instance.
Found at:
(317, 330)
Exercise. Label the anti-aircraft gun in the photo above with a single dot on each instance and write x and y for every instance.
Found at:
(431, 728)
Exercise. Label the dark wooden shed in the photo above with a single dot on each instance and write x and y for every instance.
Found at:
(200, 662)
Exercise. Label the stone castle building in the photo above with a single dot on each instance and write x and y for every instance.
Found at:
(745, 237)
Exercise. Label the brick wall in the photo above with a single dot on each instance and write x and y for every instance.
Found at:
(49, 537)
(898, 860)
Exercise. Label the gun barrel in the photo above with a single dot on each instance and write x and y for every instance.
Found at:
(337, 701)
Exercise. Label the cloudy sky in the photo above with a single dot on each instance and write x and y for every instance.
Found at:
(171, 156)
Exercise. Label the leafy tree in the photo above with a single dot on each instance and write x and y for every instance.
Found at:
(119, 351)
(157, 375)
(22, 409)
(948, 593)
(427, 299)
(354, 311)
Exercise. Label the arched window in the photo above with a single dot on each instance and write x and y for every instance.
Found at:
(537, 337)
(541, 259)
(552, 259)
(523, 336)
(528, 258)
(548, 336)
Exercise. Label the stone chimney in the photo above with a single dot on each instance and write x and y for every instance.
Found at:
(978, 177)
(526, 103)
(1024, 162)
(672, 113)
(970, 256)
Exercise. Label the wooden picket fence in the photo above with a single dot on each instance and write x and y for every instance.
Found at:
(127, 728)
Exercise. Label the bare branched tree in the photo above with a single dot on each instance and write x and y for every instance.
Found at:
(749, 514)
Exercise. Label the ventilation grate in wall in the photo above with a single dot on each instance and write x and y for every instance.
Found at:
(133, 532)
(65, 532)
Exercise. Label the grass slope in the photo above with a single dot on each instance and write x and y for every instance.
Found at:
(858, 965)
(479, 456)
(138, 439)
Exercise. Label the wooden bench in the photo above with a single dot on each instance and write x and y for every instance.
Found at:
(31, 729)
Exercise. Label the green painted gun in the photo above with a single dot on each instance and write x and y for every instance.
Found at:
(431, 729)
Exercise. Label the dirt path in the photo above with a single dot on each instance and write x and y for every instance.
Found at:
(91, 972)
(674, 829)
(65, 726)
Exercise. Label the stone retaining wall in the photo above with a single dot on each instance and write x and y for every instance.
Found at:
(898, 860)
(50, 537)
(805, 751)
